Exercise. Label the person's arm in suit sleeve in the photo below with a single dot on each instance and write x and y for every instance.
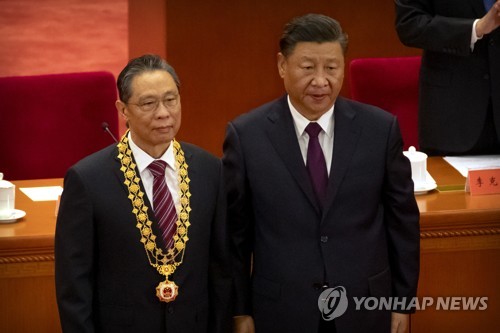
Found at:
(220, 273)
(74, 252)
(240, 220)
(418, 26)
(401, 219)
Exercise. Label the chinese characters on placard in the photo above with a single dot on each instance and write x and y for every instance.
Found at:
(492, 181)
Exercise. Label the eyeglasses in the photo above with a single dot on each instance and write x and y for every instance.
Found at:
(151, 104)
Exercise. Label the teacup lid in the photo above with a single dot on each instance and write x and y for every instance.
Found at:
(414, 155)
(4, 183)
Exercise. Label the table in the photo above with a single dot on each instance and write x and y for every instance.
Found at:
(27, 289)
(460, 256)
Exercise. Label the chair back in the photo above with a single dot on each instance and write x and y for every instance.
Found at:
(49, 122)
(391, 84)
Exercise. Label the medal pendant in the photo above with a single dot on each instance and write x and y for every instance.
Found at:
(167, 291)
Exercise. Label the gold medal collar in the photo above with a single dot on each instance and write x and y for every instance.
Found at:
(165, 263)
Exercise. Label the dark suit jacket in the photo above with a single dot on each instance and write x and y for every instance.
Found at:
(455, 83)
(366, 239)
(104, 281)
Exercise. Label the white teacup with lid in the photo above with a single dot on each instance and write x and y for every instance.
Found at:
(7, 198)
(418, 162)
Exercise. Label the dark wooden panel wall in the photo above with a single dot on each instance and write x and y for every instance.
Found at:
(225, 52)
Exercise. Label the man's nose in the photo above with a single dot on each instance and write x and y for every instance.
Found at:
(162, 110)
(320, 78)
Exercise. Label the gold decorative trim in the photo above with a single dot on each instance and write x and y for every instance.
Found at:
(25, 259)
(460, 233)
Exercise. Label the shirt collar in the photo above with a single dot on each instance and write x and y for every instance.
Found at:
(325, 121)
(143, 159)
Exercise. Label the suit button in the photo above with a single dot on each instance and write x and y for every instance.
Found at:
(324, 239)
(486, 76)
(170, 309)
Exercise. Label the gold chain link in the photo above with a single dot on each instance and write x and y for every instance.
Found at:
(165, 263)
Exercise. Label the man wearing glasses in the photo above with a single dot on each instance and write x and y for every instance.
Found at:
(140, 237)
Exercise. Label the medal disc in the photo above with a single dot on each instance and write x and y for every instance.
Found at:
(167, 291)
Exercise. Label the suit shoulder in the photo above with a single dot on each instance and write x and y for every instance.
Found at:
(95, 168)
(96, 160)
(199, 153)
(203, 164)
(366, 111)
(258, 114)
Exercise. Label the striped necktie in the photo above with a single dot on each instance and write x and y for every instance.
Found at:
(163, 204)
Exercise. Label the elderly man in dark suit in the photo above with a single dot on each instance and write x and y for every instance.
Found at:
(459, 105)
(141, 244)
(320, 199)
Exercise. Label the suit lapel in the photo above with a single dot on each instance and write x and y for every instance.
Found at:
(346, 134)
(121, 178)
(188, 155)
(116, 170)
(283, 138)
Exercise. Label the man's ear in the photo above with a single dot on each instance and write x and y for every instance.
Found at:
(281, 64)
(121, 107)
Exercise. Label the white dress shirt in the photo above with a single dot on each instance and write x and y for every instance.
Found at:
(474, 37)
(325, 137)
(143, 160)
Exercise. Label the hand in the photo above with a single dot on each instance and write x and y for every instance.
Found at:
(490, 21)
(243, 324)
(400, 322)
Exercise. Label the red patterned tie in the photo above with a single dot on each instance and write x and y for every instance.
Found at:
(316, 165)
(164, 208)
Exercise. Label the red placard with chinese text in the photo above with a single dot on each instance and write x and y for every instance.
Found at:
(483, 181)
